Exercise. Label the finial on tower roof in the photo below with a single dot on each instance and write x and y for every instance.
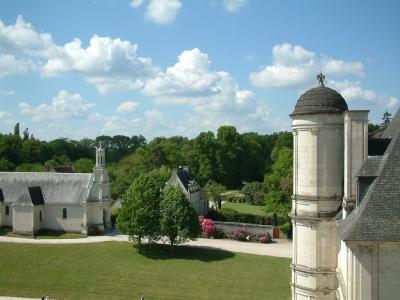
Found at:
(321, 78)
(100, 145)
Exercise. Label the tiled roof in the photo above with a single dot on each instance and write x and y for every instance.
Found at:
(68, 188)
(377, 217)
(318, 100)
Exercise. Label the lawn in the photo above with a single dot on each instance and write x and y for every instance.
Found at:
(245, 208)
(44, 234)
(116, 270)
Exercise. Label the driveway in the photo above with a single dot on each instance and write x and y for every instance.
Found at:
(282, 247)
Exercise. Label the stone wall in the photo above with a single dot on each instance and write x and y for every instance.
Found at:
(229, 228)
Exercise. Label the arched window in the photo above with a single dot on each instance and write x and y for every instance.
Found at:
(40, 216)
(7, 210)
(64, 213)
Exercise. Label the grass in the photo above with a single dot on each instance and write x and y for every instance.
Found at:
(245, 208)
(116, 270)
(44, 234)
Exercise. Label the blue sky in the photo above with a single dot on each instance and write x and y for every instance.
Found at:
(173, 67)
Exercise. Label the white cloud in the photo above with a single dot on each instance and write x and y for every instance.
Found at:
(234, 5)
(22, 37)
(10, 65)
(127, 106)
(192, 81)
(295, 67)
(354, 91)
(136, 3)
(163, 11)
(63, 106)
(109, 64)
(6, 92)
(7, 117)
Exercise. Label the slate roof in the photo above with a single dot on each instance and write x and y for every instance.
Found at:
(62, 188)
(187, 180)
(377, 217)
(318, 100)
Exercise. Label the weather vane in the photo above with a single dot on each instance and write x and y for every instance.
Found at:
(321, 78)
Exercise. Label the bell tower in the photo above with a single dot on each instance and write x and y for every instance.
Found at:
(318, 161)
(101, 180)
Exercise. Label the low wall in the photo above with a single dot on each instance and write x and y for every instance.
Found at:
(229, 228)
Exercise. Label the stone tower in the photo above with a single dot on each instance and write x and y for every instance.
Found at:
(317, 190)
(100, 175)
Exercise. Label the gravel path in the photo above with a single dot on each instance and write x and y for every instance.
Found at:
(282, 248)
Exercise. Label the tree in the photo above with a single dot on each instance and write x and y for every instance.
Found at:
(251, 189)
(27, 167)
(16, 129)
(214, 191)
(179, 221)
(386, 118)
(140, 211)
(84, 165)
(25, 134)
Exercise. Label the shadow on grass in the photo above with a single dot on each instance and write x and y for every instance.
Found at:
(205, 254)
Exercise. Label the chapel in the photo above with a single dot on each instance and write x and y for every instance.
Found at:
(67, 202)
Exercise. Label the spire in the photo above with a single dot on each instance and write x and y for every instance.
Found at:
(100, 156)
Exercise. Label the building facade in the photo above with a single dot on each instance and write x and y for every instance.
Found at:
(190, 187)
(334, 173)
(68, 202)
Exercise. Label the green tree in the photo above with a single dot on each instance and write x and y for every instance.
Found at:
(84, 165)
(372, 127)
(29, 167)
(6, 165)
(228, 156)
(16, 129)
(250, 189)
(386, 118)
(140, 212)
(214, 191)
(179, 222)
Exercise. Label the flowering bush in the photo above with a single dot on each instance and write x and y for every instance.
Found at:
(242, 235)
(207, 227)
(265, 238)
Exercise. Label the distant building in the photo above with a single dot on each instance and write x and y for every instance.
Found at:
(69, 202)
(190, 187)
(346, 201)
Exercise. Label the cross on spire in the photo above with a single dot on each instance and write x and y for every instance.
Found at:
(321, 78)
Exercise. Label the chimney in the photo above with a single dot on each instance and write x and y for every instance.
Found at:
(46, 167)
(186, 168)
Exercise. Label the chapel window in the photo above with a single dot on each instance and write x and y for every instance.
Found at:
(40, 216)
(64, 213)
(7, 210)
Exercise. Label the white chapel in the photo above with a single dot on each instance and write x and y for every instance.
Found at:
(346, 201)
(68, 202)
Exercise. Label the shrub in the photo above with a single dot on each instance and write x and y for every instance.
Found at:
(93, 230)
(207, 227)
(218, 234)
(286, 229)
(242, 235)
(114, 215)
(265, 238)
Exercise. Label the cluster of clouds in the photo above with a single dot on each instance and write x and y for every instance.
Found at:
(215, 97)
(294, 67)
(165, 11)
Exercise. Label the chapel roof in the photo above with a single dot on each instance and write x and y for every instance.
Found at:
(187, 181)
(377, 217)
(61, 188)
(319, 100)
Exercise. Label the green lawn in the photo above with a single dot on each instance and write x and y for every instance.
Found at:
(245, 208)
(44, 234)
(116, 270)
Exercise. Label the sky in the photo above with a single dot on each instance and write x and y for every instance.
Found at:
(78, 69)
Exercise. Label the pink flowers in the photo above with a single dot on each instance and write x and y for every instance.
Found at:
(207, 226)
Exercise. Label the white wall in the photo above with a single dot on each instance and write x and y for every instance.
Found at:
(23, 219)
(7, 221)
(53, 218)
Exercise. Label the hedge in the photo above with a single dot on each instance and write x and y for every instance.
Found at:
(231, 215)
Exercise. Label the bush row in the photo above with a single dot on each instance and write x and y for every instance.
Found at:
(231, 215)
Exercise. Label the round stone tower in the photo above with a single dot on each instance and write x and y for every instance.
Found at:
(317, 190)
